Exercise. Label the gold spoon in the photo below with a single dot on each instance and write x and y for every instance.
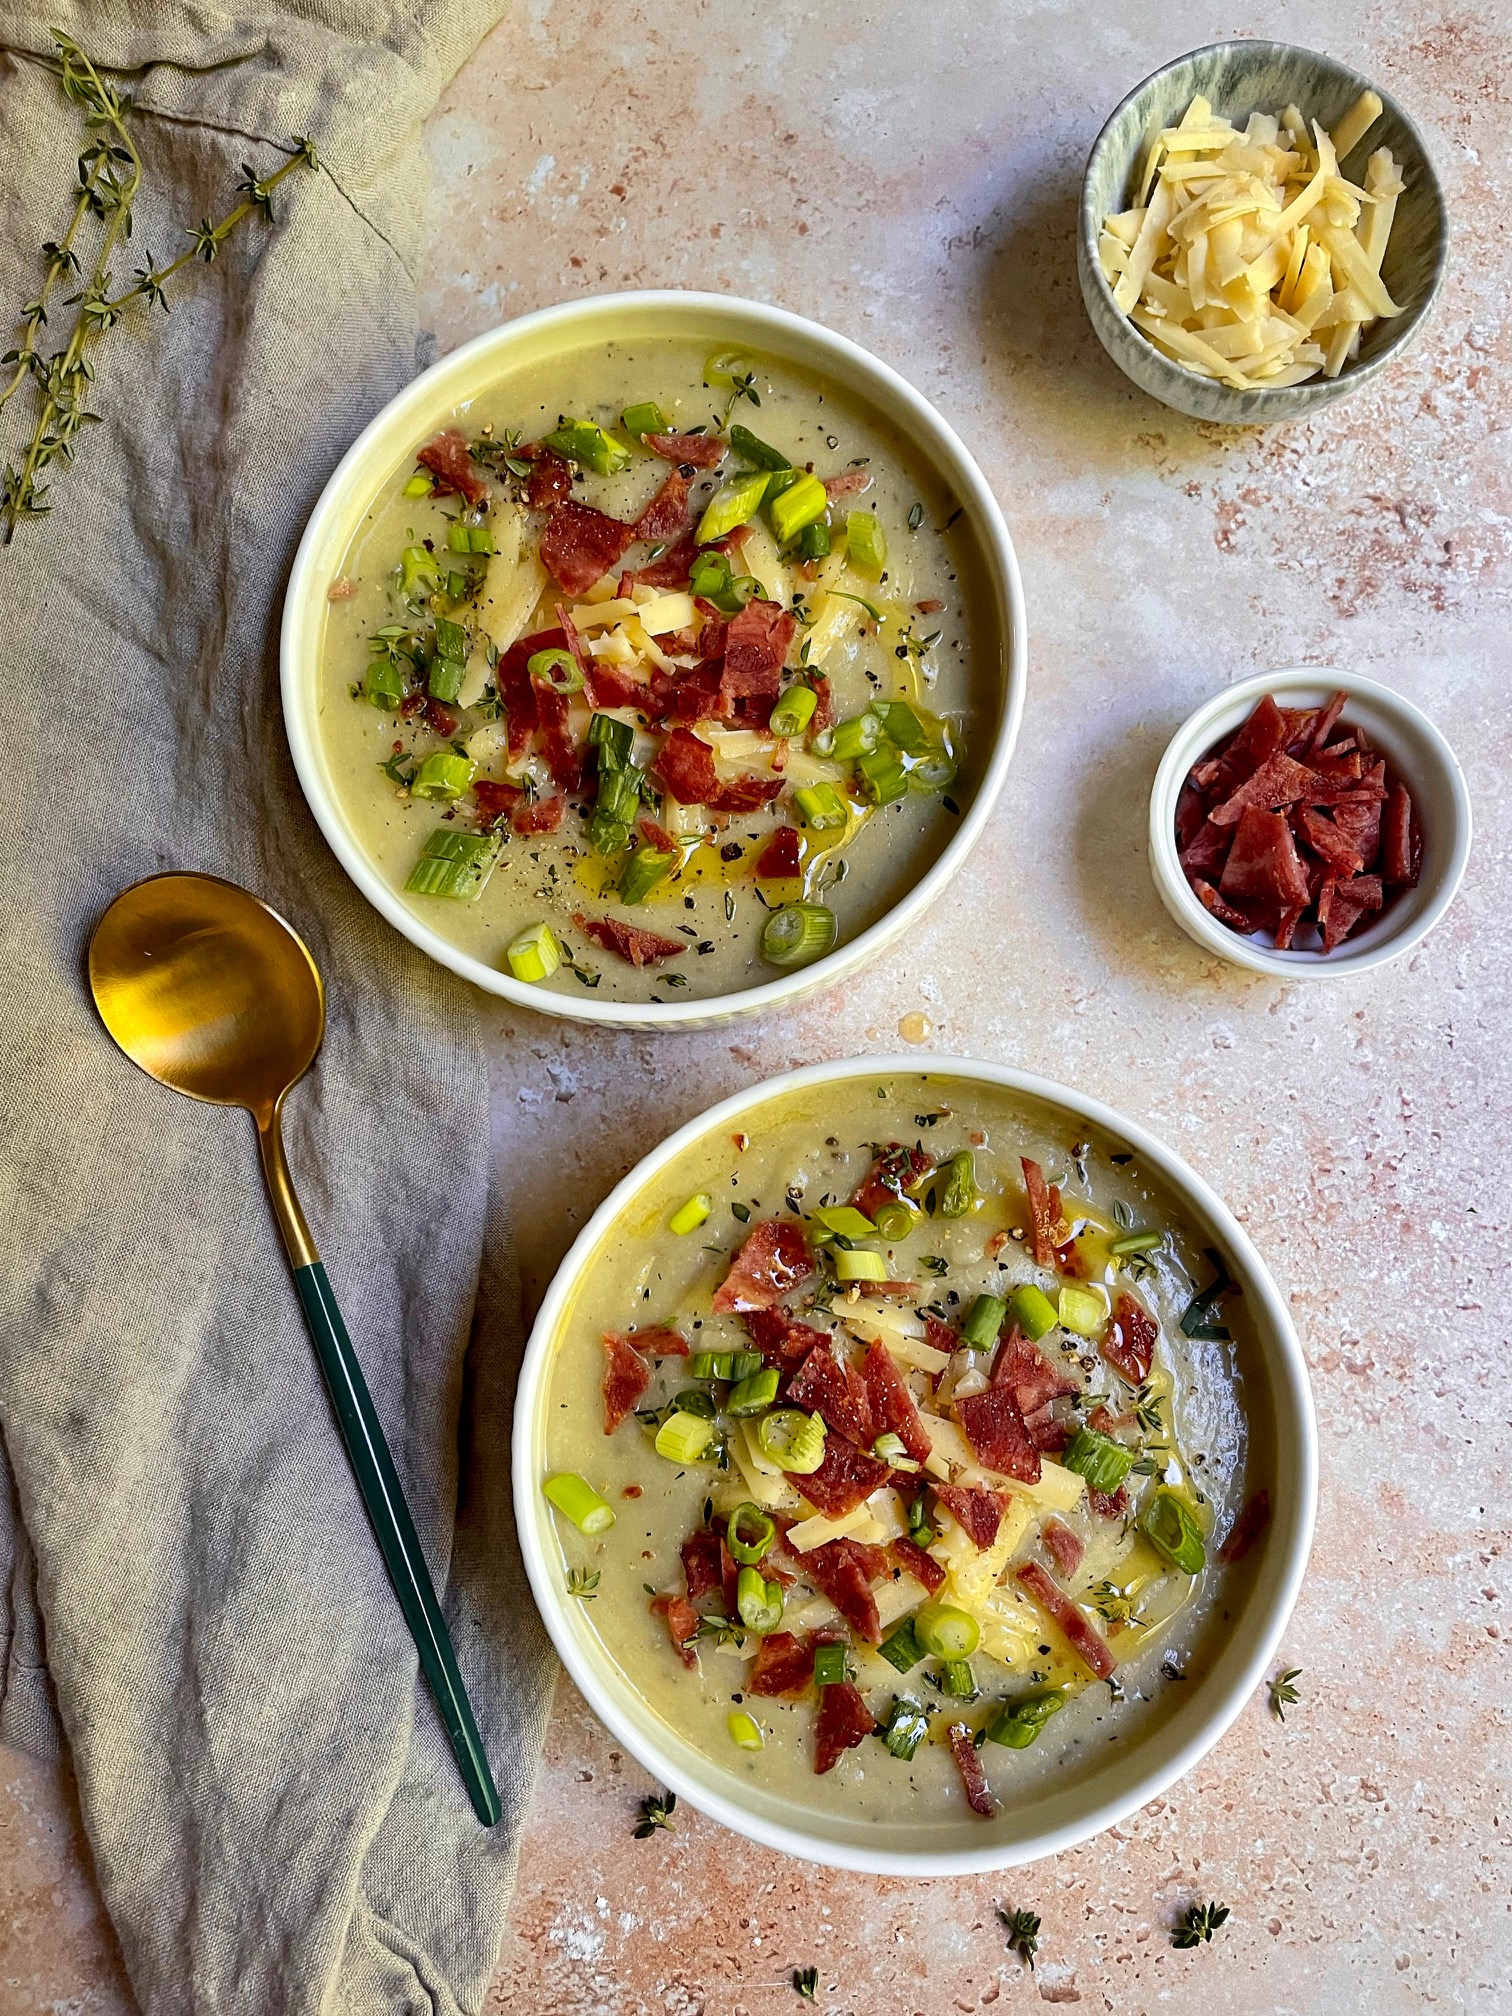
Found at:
(214, 995)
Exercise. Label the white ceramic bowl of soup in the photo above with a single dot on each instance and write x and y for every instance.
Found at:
(1233, 1645)
(386, 449)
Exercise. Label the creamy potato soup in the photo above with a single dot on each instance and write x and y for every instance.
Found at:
(899, 1449)
(653, 673)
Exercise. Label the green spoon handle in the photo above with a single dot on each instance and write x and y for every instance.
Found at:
(383, 1496)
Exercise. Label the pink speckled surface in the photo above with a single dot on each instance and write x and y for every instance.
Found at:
(909, 175)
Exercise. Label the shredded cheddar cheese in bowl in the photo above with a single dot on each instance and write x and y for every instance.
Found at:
(1248, 257)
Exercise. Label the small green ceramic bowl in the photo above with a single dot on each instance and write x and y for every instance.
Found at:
(1238, 78)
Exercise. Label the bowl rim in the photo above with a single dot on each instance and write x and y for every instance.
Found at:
(1199, 730)
(1278, 398)
(901, 403)
(1296, 1475)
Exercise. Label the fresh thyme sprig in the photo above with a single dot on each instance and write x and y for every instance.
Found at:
(1022, 1928)
(1283, 1692)
(656, 1811)
(806, 1981)
(109, 179)
(583, 1583)
(1197, 1924)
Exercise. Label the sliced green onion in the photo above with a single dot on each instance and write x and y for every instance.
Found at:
(727, 1365)
(849, 739)
(846, 1220)
(585, 442)
(457, 537)
(904, 728)
(1136, 1242)
(984, 1323)
(1033, 1311)
(420, 484)
(534, 954)
(683, 1438)
(956, 1679)
(798, 933)
(749, 1533)
(931, 773)
(859, 1263)
(734, 503)
(1082, 1310)
(454, 863)
(753, 1395)
(814, 541)
(558, 669)
(794, 711)
(452, 640)
(1102, 1461)
(946, 1632)
(896, 1221)
(694, 1400)
(480, 539)
(745, 1730)
(822, 806)
(646, 867)
(575, 1498)
(724, 367)
(801, 503)
(759, 1602)
(614, 739)
(865, 541)
(960, 1191)
(456, 586)
(791, 1439)
(383, 683)
(442, 776)
(901, 1648)
(920, 1531)
(756, 452)
(419, 574)
(443, 680)
(905, 1729)
(615, 810)
(829, 1665)
(1017, 1723)
(690, 1214)
(710, 576)
(1172, 1531)
(889, 1448)
(646, 418)
(883, 778)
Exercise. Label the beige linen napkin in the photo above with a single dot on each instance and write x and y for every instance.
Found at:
(195, 1604)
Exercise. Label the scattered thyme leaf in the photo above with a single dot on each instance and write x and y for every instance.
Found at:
(1283, 1692)
(583, 1582)
(656, 1811)
(806, 1981)
(1197, 1924)
(1023, 1934)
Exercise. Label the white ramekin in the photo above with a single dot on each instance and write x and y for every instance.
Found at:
(388, 443)
(1419, 755)
(1130, 1773)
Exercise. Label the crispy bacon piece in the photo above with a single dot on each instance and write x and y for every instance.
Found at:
(896, 1170)
(673, 569)
(542, 815)
(617, 686)
(782, 1342)
(660, 1342)
(518, 690)
(1044, 1212)
(1108, 1505)
(666, 516)
(1401, 842)
(1258, 739)
(979, 1513)
(554, 727)
(774, 1260)
(1129, 1343)
(1279, 781)
(822, 1385)
(682, 1626)
(1263, 867)
(628, 941)
(995, 1428)
(1341, 905)
(703, 1562)
(626, 1377)
(1084, 1641)
(685, 767)
(550, 481)
(1063, 1544)
(1226, 913)
(495, 800)
(655, 835)
(1325, 839)
(892, 1404)
(1323, 727)
(756, 648)
(581, 545)
(1029, 1375)
(1286, 926)
(784, 1665)
(702, 451)
(1359, 820)
(779, 859)
(844, 1570)
(1248, 1527)
(969, 1763)
(845, 1478)
(451, 465)
(913, 1560)
(823, 715)
(689, 696)
(849, 483)
(1207, 851)
(844, 1721)
(940, 1336)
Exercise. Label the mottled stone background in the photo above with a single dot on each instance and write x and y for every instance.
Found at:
(908, 174)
